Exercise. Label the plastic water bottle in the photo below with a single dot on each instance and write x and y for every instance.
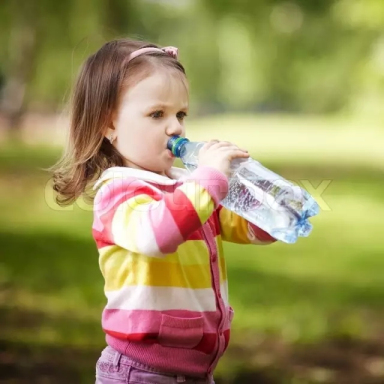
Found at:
(259, 195)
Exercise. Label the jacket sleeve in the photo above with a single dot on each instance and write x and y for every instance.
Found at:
(139, 217)
(236, 229)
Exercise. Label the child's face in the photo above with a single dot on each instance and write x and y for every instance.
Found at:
(149, 114)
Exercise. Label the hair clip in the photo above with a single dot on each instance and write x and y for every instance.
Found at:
(172, 51)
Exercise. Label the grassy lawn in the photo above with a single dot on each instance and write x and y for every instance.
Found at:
(290, 301)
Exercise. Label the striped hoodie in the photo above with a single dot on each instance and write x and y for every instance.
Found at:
(160, 252)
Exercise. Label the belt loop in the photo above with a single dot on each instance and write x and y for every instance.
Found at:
(116, 359)
(180, 379)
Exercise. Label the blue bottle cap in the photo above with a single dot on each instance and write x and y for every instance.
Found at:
(175, 143)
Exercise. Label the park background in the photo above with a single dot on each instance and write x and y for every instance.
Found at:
(300, 84)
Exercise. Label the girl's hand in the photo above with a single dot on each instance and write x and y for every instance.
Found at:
(219, 154)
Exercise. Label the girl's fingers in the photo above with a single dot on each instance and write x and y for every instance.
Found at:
(210, 143)
(237, 153)
(223, 146)
(233, 147)
(207, 145)
(220, 144)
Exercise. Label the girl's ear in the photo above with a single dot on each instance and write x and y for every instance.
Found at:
(110, 131)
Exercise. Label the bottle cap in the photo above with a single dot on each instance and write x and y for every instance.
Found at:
(175, 143)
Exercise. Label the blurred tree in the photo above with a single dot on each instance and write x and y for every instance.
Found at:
(367, 88)
(271, 55)
(302, 60)
(21, 53)
(44, 40)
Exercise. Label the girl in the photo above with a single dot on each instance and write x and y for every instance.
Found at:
(158, 229)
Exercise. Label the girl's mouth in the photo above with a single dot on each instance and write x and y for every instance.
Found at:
(170, 154)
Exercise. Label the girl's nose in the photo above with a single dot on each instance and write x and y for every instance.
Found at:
(175, 128)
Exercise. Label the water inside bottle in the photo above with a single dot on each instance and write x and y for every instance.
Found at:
(262, 197)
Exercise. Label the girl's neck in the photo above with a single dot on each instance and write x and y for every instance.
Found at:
(130, 164)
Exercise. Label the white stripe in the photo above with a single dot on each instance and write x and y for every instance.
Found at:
(224, 292)
(161, 298)
(146, 240)
(123, 172)
(132, 230)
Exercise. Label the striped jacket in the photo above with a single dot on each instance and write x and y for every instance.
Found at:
(161, 255)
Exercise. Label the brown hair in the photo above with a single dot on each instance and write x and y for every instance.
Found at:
(95, 97)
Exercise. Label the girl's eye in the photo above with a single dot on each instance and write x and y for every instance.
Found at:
(181, 115)
(157, 114)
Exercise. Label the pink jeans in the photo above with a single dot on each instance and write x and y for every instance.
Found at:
(114, 368)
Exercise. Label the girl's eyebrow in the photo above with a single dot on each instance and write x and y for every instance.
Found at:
(165, 106)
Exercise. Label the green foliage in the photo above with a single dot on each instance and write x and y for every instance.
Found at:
(301, 56)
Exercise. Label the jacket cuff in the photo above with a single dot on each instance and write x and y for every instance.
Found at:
(213, 181)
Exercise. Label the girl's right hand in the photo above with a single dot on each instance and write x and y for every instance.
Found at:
(219, 154)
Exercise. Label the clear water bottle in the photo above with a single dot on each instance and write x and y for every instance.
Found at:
(259, 195)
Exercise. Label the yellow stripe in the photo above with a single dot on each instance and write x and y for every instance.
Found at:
(123, 268)
(191, 252)
(234, 228)
(200, 199)
(188, 268)
(222, 263)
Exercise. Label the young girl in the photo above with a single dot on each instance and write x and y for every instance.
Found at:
(158, 229)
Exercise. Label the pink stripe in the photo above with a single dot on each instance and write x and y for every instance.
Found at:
(142, 321)
(166, 231)
(116, 192)
(213, 181)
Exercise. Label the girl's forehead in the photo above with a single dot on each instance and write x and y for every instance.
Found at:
(161, 86)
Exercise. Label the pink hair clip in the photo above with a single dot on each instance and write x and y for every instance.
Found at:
(172, 51)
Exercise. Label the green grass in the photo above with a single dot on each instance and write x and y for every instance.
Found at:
(327, 286)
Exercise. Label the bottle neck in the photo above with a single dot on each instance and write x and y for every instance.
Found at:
(176, 144)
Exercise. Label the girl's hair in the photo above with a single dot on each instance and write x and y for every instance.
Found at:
(95, 97)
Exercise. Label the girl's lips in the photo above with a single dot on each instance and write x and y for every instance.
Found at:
(170, 154)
